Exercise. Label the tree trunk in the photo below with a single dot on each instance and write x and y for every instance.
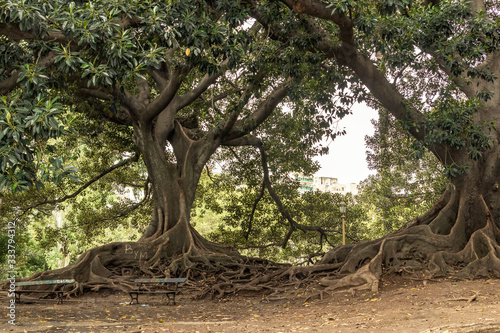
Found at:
(170, 245)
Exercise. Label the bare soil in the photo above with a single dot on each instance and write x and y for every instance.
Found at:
(401, 305)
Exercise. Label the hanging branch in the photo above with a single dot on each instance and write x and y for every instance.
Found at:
(256, 202)
(254, 207)
(293, 224)
(256, 142)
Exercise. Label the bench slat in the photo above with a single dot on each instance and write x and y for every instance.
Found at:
(40, 282)
(167, 280)
(151, 292)
(35, 291)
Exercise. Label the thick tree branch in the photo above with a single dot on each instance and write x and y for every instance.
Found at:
(165, 124)
(387, 94)
(374, 80)
(477, 5)
(203, 85)
(319, 9)
(165, 97)
(143, 91)
(245, 96)
(112, 112)
(391, 99)
(11, 82)
(128, 22)
(161, 76)
(363, 67)
(243, 141)
(97, 93)
(160, 79)
(263, 111)
(15, 34)
(325, 44)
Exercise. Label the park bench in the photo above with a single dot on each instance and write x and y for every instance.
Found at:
(134, 294)
(60, 293)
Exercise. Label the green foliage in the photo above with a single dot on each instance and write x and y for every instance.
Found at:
(61, 54)
(405, 185)
(229, 212)
(99, 53)
(100, 44)
(109, 210)
(26, 127)
(42, 245)
(414, 44)
(28, 258)
(452, 123)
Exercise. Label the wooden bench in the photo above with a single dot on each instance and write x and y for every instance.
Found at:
(134, 294)
(60, 293)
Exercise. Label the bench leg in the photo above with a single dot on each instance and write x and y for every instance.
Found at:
(60, 297)
(17, 297)
(170, 296)
(132, 297)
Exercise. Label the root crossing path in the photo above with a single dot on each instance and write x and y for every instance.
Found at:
(404, 305)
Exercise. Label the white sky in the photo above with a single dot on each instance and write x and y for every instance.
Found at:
(347, 157)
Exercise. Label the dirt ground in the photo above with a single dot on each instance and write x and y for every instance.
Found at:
(400, 306)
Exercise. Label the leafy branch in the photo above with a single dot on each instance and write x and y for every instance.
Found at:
(133, 158)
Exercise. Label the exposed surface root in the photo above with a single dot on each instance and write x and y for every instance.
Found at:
(464, 244)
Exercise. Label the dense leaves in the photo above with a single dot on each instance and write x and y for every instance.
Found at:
(247, 218)
(249, 87)
(405, 185)
(59, 48)
(56, 223)
(93, 47)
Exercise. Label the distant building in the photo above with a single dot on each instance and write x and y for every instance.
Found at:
(306, 183)
(325, 184)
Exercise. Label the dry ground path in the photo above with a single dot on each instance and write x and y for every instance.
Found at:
(402, 306)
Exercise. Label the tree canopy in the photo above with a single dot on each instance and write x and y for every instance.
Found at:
(94, 57)
(405, 185)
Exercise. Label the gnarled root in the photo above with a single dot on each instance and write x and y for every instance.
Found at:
(458, 237)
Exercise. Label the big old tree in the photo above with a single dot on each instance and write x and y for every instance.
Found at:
(434, 66)
(191, 76)
(187, 77)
